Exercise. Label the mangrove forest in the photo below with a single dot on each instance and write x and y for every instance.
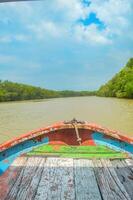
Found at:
(121, 86)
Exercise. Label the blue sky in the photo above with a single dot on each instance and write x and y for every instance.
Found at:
(62, 44)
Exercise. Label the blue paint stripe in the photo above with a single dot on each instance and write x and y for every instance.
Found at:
(15, 151)
(26, 146)
(117, 145)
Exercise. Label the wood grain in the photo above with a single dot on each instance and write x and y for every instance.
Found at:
(22, 186)
(52, 178)
(125, 175)
(8, 179)
(85, 182)
(57, 180)
(109, 183)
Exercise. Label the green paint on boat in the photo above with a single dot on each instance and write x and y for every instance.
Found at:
(77, 151)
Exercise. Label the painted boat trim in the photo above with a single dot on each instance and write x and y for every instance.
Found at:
(62, 125)
(25, 143)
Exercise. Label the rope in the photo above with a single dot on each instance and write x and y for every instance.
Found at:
(77, 133)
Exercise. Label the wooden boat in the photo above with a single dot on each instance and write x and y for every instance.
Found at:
(68, 160)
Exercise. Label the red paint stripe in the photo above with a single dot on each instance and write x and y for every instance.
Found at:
(61, 125)
(88, 143)
(58, 143)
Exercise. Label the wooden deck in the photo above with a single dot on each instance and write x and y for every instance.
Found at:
(53, 178)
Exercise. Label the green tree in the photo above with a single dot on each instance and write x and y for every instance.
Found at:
(121, 85)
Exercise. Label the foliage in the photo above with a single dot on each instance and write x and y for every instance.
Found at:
(10, 91)
(121, 85)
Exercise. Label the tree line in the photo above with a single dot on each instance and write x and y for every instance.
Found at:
(121, 85)
(10, 91)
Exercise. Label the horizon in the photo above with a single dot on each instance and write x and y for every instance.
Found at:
(65, 45)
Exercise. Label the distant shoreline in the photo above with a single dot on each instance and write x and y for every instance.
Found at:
(45, 99)
(120, 86)
(48, 99)
(10, 91)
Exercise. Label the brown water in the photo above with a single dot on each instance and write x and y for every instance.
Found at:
(19, 117)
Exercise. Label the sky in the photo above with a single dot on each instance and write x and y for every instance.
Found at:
(65, 44)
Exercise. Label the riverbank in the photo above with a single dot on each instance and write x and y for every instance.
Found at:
(10, 91)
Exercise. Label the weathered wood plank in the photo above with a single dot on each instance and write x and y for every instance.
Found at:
(39, 178)
(85, 182)
(8, 179)
(102, 181)
(109, 183)
(61, 179)
(43, 186)
(129, 163)
(33, 184)
(22, 189)
(57, 182)
(125, 175)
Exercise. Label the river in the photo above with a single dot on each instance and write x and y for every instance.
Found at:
(17, 118)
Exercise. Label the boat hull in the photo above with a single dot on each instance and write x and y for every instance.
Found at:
(64, 134)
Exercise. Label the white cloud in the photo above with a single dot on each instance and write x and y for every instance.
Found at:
(23, 11)
(116, 15)
(72, 10)
(44, 29)
(91, 34)
(66, 44)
